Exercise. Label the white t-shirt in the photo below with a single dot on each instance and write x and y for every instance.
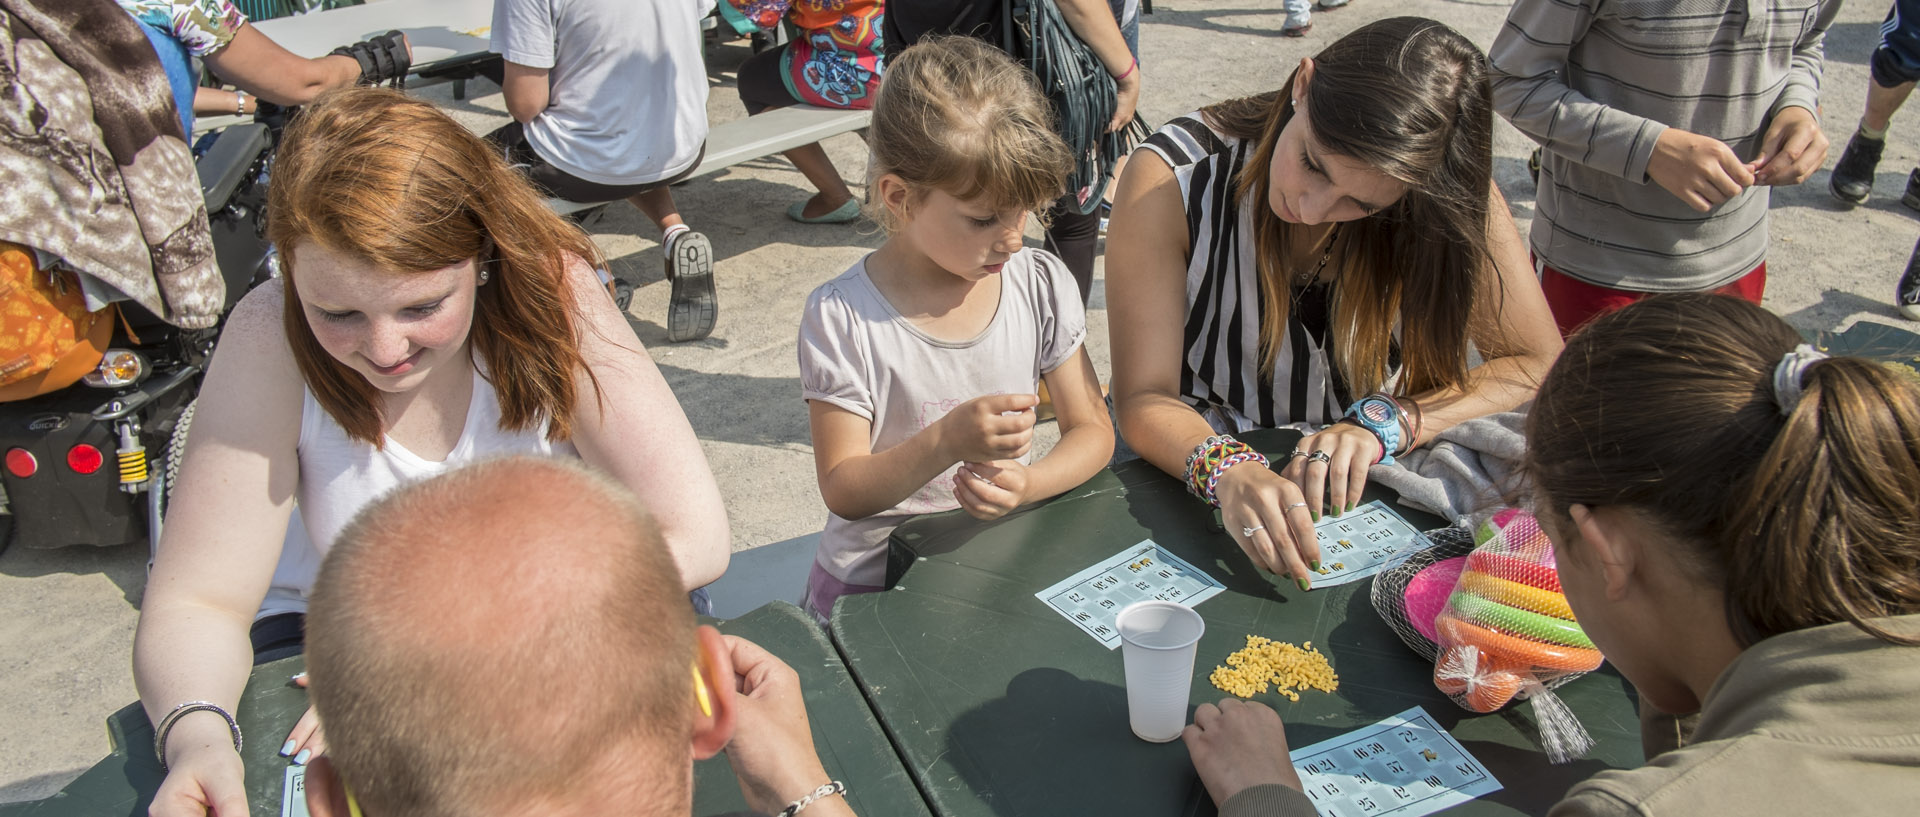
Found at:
(627, 97)
(857, 353)
(340, 475)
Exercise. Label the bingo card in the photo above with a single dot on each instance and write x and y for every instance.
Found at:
(1361, 542)
(1094, 597)
(293, 798)
(1404, 766)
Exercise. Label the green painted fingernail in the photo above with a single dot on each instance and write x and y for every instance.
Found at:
(1316, 515)
(1315, 564)
(1303, 584)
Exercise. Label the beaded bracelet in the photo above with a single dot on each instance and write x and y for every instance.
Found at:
(828, 790)
(1213, 477)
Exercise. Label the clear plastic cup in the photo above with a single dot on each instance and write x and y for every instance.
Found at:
(1157, 643)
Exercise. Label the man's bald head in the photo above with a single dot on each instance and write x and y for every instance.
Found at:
(483, 641)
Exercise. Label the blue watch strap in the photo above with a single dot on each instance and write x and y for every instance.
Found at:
(1379, 414)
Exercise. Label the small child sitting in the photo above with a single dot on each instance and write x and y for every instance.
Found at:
(920, 363)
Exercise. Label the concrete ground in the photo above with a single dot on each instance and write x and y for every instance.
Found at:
(67, 616)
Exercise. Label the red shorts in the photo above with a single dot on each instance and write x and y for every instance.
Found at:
(1574, 302)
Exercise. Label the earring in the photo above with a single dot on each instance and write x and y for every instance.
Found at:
(484, 275)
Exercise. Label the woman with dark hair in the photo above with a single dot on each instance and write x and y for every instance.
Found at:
(432, 312)
(1336, 248)
(1736, 519)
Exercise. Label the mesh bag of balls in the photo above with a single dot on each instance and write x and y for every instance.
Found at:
(1506, 633)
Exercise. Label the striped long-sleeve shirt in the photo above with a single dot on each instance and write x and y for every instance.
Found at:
(1597, 81)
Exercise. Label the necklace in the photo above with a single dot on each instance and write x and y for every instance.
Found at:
(1332, 237)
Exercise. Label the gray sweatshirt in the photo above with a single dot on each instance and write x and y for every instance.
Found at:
(1596, 83)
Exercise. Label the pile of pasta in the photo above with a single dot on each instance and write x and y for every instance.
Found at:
(1263, 662)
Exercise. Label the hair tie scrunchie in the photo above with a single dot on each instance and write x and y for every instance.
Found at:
(1789, 374)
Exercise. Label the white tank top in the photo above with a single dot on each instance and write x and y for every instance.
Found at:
(340, 475)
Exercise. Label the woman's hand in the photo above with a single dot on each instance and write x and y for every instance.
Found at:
(1267, 518)
(307, 740)
(1236, 746)
(1338, 478)
(990, 490)
(204, 773)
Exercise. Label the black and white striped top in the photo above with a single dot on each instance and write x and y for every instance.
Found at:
(1220, 375)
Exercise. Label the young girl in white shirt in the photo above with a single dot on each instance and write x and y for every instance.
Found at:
(920, 364)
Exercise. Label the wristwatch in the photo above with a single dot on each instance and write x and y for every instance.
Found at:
(1379, 414)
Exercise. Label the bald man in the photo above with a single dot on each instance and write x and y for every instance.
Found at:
(511, 639)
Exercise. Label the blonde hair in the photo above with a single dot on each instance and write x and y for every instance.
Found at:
(957, 115)
(482, 640)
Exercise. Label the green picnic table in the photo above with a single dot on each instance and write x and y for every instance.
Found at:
(999, 706)
(849, 740)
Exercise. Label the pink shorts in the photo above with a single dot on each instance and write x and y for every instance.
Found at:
(823, 589)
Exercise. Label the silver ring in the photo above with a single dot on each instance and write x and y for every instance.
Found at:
(1249, 531)
(1295, 505)
(1297, 453)
(1320, 457)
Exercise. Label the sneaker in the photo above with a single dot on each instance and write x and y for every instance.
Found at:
(1853, 174)
(1296, 31)
(1912, 197)
(1329, 5)
(691, 307)
(1906, 294)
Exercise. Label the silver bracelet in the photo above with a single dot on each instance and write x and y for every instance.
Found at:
(165, 727)
(239, 103)
(830, 789)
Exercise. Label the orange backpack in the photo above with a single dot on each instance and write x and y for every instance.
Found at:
(48, 339)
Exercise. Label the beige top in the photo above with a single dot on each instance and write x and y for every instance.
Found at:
(1823, 721)
(1819, 721)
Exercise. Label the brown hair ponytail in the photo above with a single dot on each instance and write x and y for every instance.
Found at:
(1802, 519)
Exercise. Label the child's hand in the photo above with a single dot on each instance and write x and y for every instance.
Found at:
(1793, 149)
(1699, 170)
(989, 490)
(984, 429)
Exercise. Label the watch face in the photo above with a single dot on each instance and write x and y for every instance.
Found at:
(1376, 410)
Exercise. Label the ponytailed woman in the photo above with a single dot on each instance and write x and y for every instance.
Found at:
(1736, 519)
(1331, 250)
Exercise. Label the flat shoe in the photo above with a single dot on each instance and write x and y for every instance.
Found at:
(840, 215)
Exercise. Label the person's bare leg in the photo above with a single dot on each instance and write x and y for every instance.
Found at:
(813, 163)
(1881, 103)
(657, 205)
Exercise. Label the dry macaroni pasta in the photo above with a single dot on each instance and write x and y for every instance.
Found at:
(1265, 661)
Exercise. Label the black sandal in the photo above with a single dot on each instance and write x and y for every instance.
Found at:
(382, 59)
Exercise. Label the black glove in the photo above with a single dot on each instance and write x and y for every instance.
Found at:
(382, 59)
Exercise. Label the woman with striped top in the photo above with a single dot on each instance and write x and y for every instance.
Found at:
(1280, 259)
